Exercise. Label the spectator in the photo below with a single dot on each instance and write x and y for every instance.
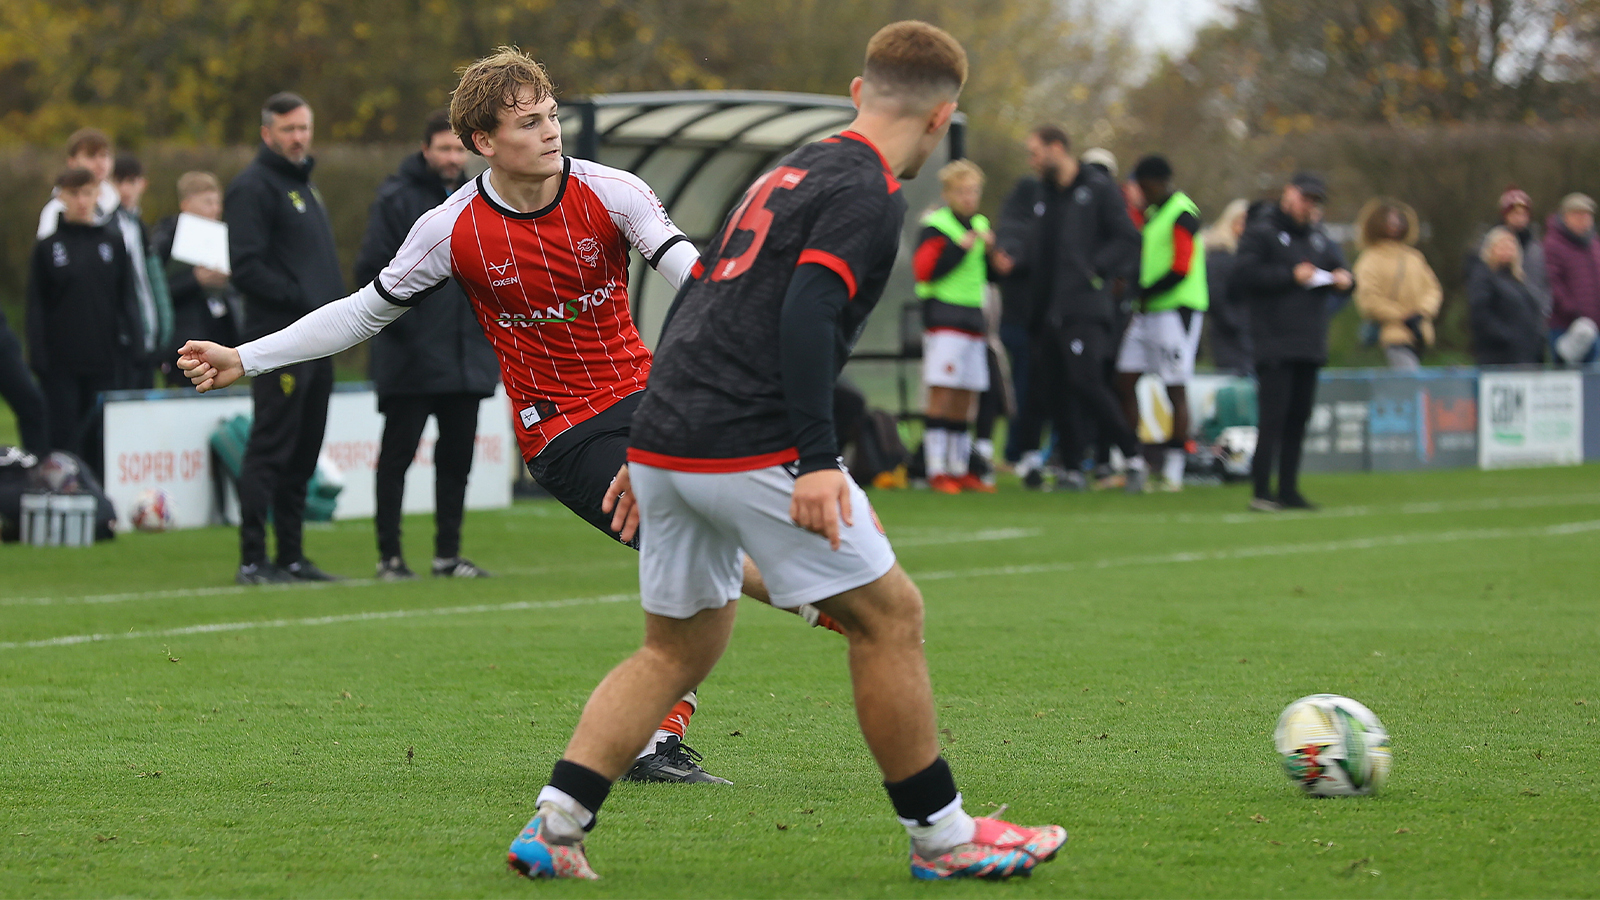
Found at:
(1507, 326)
(1170, 305)
(1083, 242)
(1013, 237)
(1516, 214)
(87, 148)
(1394, 285)
(205, 307)
(433, 362)
(954, 254)
(1572, 263)
(80, 302)
(281, 248)
(1228, 319)
(22, 393)
(1287, 268)
(147, 342)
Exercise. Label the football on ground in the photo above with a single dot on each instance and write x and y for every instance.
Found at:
(1333, 746)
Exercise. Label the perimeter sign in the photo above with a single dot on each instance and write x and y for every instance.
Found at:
(1530, 419)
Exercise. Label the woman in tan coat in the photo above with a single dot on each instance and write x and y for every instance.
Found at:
(1394, 285)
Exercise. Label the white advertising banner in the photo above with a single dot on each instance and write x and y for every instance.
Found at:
(1530, 419)
(164, 444)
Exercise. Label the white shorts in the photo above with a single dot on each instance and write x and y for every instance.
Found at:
(700, 525)
(955, 359)
(1159, 344)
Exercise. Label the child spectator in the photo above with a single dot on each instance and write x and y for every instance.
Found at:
(205, 307)
(80, 300)
(87, 148)
(154, 306)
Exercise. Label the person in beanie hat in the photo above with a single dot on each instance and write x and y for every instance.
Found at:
(1572, 264)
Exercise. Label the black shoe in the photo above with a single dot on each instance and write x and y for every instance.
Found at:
(304, 569)
(394, 569)
(1295, 501)
(1033, 479)
(672, 760)
(262, 573)
(457, 567)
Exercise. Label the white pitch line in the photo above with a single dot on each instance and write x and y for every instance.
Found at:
(967, 537)
(216, 627)
(1487, 504)
(1370, 543)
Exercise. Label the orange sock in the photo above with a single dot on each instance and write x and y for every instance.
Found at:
(677, 721)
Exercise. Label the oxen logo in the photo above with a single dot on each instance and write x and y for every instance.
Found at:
(589, 251)
(501, 270)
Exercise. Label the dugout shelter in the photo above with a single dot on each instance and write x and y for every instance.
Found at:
(699, 150)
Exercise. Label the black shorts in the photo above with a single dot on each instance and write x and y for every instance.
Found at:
(578, 465)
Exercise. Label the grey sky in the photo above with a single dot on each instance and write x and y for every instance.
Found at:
(1166, 24)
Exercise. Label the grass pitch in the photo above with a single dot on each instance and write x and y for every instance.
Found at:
(1111, 663)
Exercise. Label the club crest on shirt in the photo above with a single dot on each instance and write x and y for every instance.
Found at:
(589, 251)
(105, 253)
(286, 383)
(298, 201)
(58, 254)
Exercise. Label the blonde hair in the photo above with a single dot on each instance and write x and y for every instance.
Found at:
(1219, 235)
(914, 63)
(491, 85)
(959, 170)
(1486, 249)
(191, 183)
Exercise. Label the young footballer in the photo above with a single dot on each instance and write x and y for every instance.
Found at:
(539, 243)
(1164, 334)
(951, 267)
(733, 447)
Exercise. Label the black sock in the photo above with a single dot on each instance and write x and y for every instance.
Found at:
(923, 794)
(582, 784)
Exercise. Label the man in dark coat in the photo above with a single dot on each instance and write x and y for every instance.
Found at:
(1013, 232)
(280, 245)
(1289, 271)
(433, 362)
(1082, 242)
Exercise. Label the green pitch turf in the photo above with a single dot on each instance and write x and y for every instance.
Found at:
(1111, 663)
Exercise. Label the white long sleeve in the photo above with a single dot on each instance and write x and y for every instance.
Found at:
(324, 331)
(677, 261)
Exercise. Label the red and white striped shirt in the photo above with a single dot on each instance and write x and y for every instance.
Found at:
(550, 288)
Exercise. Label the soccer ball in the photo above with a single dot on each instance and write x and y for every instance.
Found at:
(60, 471)
(152, 511)
(1333, 746)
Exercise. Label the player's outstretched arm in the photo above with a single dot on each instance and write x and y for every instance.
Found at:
(324, 331)
(210, 366)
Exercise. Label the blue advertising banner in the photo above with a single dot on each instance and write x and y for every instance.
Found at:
(1423, 420)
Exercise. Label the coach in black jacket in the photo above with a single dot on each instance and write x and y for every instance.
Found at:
(1083, 240)
(433, 361)
(1014, 231)
(281, 249)
(1289, 271)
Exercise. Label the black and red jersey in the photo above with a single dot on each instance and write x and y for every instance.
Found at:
(716, 400)
(550, 288)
